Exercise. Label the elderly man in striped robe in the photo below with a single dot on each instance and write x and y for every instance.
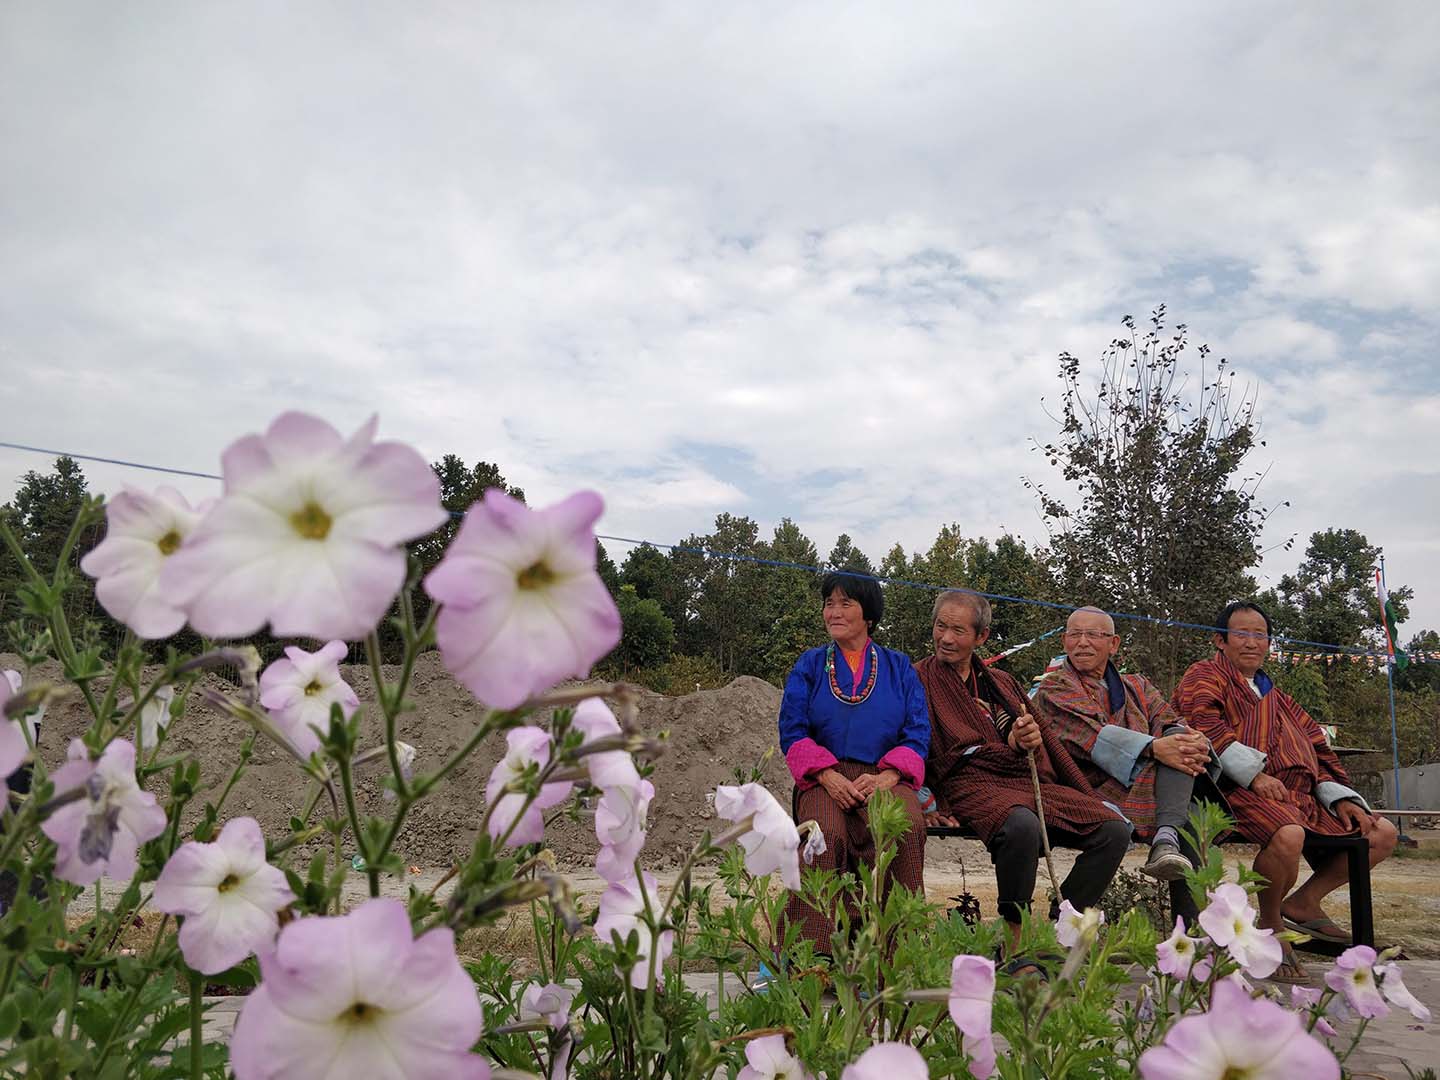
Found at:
(1129, 743)
(1283, 777)
(977, 769)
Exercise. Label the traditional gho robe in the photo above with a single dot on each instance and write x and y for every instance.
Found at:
(1106, 723)
(1262, 728)
(975, 775)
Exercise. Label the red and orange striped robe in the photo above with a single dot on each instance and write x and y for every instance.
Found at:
(1216, 699)
(1077, 706)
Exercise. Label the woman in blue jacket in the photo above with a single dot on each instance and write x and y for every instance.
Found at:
(853, 721)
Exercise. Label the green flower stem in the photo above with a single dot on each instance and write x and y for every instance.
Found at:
(246, 749)
(390, 706)
(197, 1025)
(347, 786)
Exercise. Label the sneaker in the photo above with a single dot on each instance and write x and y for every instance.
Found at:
(1165, 862)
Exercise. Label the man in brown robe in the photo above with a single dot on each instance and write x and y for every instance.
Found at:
(978, 772)
(1283, 777)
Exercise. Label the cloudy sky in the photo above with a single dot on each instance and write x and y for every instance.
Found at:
(805, 260)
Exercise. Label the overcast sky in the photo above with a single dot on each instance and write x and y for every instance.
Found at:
(779, 260)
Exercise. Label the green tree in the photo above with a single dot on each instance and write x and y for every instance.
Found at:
(906, 625)
(1160, 522)
(790, 621)
(41, 514)
(1331, 596)
(1423, 673)
(648, 638)
(846, 556)
(729, 600)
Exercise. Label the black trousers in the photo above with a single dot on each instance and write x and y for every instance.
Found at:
(1016, 851)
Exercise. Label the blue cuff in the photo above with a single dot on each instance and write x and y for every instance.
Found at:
(1241, 763)
(1329, 792)
(1117, 750)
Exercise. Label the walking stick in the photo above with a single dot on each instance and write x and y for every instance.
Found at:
(1040, 813)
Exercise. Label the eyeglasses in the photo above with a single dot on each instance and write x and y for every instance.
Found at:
(1249, 635)
(1089, 635)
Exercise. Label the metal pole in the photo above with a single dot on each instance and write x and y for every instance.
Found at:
(1390, 683)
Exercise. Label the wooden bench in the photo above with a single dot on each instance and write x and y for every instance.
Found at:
(1356, 850)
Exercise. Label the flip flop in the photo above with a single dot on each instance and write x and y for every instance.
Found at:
(1290, 969)
(1019, 967)
(1321, 929)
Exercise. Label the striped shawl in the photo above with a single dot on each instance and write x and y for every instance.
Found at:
(1216, 699)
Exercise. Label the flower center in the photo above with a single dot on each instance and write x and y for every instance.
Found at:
(360, 1013)
(536, 576)
(311, 521)
(314, 688)
(231, 880)
(168, 543)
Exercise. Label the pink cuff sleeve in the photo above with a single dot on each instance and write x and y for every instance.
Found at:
(806, 757)
(910, 765)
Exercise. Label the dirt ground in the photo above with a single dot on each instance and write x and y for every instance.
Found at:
(709, 734)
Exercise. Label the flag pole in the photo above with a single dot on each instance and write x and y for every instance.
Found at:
(1390, 684)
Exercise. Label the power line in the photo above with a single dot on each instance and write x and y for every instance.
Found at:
(776, 563)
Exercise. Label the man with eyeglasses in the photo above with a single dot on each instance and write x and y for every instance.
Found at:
(1282, 777)
(1132, 747)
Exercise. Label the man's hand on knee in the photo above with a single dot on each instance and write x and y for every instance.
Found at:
(1353, 816)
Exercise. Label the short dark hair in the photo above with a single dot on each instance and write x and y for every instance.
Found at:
(1222, 621)
(858, 586)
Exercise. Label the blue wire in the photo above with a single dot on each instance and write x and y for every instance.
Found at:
(1340, 649)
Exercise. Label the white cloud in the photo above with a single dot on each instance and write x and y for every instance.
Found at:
(582, 242)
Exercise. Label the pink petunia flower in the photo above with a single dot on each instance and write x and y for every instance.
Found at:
(1230, 921)
(814, 841)
(308, 535)
(550, 1003)
(359, 995)
(1239, 1036)
(972, 995)
(773, 842)
(523, 607)
(888, 1061)
(299, 688)
(1176, 955)
(10, 686)
(13, 747)
(229, 895)
(142, 533)
(767, 1059)
(1354, 976)
(512, 819)
(13, 752)
(1305, 998)
(1077, 927)
(621, 906)
(155, 718)
(620, 827)
(99, 834)
(608, 768)
(1392, 985)
(1367, 986)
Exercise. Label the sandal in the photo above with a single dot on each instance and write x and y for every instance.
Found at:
(1321, 929)
(1290, 969)
(1024, 967)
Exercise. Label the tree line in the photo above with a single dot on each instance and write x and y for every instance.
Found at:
(1158, 515)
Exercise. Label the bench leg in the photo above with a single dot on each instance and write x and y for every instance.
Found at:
(1362, 914)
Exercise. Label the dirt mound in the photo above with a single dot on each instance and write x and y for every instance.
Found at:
(711, 733)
